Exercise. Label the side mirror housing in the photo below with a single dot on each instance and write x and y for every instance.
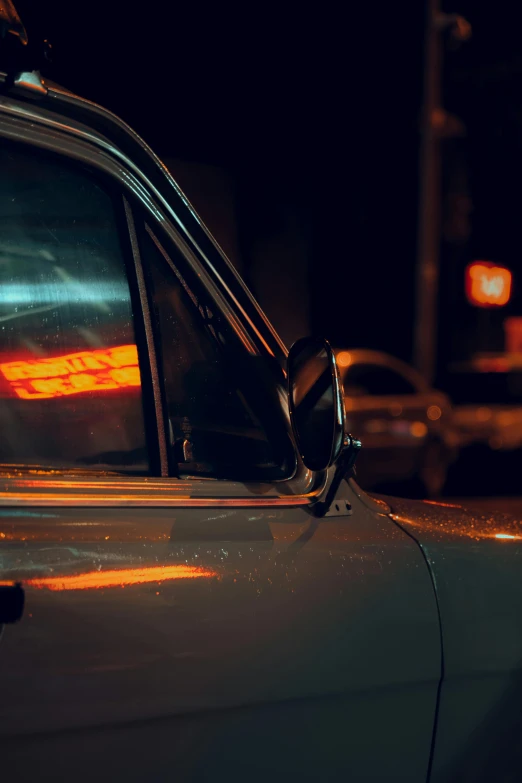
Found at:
(316, 402)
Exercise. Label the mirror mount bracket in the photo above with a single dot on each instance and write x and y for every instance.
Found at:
(344, 469)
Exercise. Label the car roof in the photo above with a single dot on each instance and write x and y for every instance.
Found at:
(379, 358)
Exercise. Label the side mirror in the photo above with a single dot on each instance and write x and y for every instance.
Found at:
(316, 402)
(317, 413)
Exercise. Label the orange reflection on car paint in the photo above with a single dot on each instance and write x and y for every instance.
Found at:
(478, 529)
(123, 577)
(85, 371)
(440, 503)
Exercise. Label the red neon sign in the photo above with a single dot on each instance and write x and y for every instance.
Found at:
(488, 285)
(86, 371)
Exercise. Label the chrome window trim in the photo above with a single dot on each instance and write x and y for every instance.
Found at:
(39, 490)
(19, 125)
(149, 336)
(45, 501)
(57, 93)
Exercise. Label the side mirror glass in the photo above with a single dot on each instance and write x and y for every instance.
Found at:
(316, 402)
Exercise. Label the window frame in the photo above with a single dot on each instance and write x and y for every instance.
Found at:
(55, 133)
(165, 248)
(122, 227)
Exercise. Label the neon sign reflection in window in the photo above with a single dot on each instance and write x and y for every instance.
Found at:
(85, 371)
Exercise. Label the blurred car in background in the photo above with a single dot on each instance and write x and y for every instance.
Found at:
(487, 415)
(405, 426)
(488, 395)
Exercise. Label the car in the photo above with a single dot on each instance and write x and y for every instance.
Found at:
(193, 586)
(407, 427)
(487, 417)
(487, 390)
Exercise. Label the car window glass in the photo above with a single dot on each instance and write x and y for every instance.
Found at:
(70, 393)
(224, 410)
(372, 379)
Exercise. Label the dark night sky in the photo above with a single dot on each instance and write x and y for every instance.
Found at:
(319, 110)
(483, 86)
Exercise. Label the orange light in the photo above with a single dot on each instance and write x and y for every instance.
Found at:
(513, 334)
(456, 526)
(344, 358)
(434, 412)
(418, 429)
(488, 285)
(95, 580)
(86, 371)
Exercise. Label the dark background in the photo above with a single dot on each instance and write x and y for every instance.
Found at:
(295, 131)
(310, 117)
(481, 167)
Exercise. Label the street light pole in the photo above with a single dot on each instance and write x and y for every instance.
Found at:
(436, 124)
(425, 344)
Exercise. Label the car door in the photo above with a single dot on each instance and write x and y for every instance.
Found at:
(186, 616)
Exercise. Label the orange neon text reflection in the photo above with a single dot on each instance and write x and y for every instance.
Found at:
(122, 577)
(86, 371)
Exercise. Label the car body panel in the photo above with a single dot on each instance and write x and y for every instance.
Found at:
(318, 628)
(475, 559)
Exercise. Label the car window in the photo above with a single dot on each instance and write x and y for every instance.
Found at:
(70, 390)
(372, 379)
(225, 417)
